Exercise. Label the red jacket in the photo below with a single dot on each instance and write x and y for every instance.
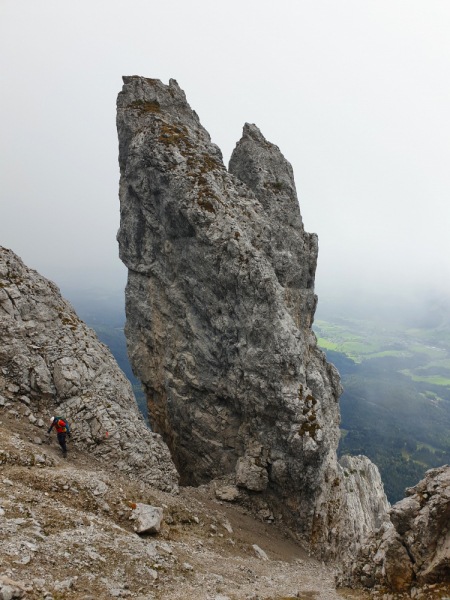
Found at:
(60, 426)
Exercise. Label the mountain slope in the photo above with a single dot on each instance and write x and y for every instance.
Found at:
(52, 359)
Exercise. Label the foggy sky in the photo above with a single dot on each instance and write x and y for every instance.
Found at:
(355, 94)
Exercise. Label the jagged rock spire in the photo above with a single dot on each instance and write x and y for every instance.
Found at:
(220, 302)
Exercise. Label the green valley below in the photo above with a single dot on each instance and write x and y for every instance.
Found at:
(396, 402)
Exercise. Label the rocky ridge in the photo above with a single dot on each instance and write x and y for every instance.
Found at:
(220, 302)
(68, 530)
(412, 550)
(50, 361)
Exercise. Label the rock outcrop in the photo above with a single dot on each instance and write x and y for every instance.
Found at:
(220, 302)
(413, 549)
(364, 494)
(50, 361)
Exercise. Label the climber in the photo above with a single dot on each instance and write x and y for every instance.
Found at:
(62, 429)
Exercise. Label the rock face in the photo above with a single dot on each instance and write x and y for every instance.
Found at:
(364, 494)
(50, 361)
(414, 549)
(220, 302)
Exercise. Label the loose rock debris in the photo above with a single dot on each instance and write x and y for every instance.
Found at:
(67, 530)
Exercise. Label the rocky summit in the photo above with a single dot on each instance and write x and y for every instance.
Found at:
(220, 302)
(51, 363)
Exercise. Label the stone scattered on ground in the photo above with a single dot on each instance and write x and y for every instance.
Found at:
(229, 493)
(148, 518)
(67, 531)
(260, 552)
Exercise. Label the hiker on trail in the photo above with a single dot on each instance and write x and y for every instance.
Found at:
(62, 429)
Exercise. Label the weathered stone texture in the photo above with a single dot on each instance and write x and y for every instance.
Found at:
(414, 548)
(148, 518)
(51, 361)
(220, 302)
(365, 497)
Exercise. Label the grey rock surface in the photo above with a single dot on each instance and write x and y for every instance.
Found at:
(220, 302)
(11, 589)
(414, 547)
(260, 552)
(250, 475)
(148, 518)
(366, 501)
(229, 493)
(51, 361)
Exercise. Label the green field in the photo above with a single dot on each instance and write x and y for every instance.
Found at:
(327, 345)
(398, 353)
(396, 402)
(433, 352)
(433, 379)
(364, 340)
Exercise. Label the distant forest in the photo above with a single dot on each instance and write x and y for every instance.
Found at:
(392, 419)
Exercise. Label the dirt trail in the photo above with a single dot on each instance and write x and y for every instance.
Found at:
(66, 533)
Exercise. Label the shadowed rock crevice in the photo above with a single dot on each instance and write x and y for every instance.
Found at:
(220, 302)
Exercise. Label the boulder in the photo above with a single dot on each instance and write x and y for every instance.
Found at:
(148, 518)
(229, 493)
(260, 552)
(10, 589)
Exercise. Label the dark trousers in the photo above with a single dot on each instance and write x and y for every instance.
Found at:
(62, 441)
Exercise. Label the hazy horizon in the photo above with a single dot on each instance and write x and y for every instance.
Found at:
(355, 95)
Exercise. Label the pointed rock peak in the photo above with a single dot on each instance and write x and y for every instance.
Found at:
(145, 97)
(173, 83)
(253, 131)
(260, 164)
(220, 302)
